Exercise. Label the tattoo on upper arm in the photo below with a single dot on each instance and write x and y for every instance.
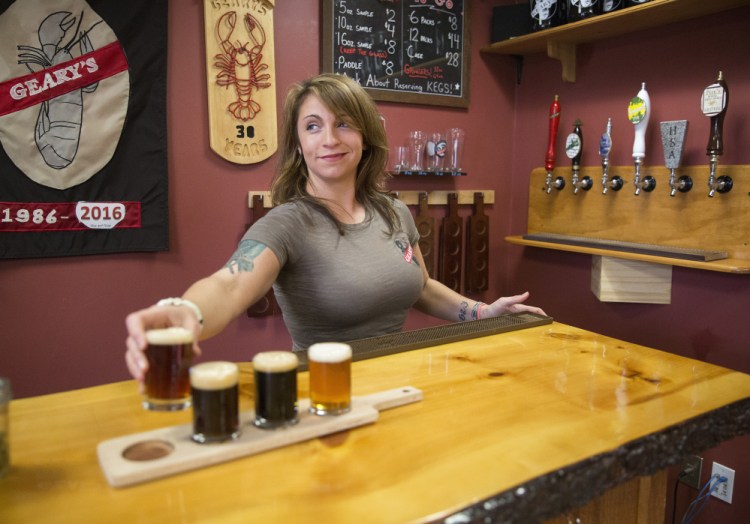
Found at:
(462, 307)
(243, 258)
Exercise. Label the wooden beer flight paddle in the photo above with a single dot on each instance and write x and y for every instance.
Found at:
(241, 80)
(266, 306)
(426, 229)
(450, 246)
(477, 252)
(146, 456)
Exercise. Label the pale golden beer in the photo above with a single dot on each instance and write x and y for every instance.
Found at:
(330, 378)
(167, 381)
(275, 374)
(216, 405)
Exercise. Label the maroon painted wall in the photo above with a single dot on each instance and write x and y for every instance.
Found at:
(62, 319)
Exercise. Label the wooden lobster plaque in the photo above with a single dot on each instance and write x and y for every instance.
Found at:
(241, 79)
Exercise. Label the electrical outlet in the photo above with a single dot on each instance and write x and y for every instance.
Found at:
(691, 471)
(723, 490)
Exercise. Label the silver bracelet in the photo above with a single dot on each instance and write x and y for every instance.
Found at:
(176, 301)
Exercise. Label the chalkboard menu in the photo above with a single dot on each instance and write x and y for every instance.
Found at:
(414, 51)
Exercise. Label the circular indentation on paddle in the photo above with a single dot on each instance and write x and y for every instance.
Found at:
(148, 450)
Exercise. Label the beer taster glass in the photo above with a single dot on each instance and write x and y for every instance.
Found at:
(216, 408)
(456, 138)
(330, 378)
(167, 382)
(275, 374)
(417, 142)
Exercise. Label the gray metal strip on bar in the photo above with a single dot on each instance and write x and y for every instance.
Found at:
(683, 253)
(365, 348)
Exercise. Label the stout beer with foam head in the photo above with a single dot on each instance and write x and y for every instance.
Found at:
(330, 378)
(275, 374)
(216, 412)
(167, 382)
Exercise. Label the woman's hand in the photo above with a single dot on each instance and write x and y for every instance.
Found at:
(512, 304)
(155, 317)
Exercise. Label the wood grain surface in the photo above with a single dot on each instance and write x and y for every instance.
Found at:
(687, 220)
(498, 412)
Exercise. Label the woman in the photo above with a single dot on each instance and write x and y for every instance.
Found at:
(341, 254)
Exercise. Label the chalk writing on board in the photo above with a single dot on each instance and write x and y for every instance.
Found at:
(400, 50)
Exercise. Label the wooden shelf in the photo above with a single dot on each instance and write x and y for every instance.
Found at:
(560, 42)
(412, 173)
(727, 265)
(410, 198)
(689, 220)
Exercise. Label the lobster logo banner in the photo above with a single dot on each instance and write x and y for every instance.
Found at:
(83, 166)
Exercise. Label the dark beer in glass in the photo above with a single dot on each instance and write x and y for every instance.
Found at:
(216, 411)
(275, 374)
(330, 378)
(167, 381)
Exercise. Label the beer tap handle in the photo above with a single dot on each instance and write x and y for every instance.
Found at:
(549, 160)
(673, 134)
(605, 146)
(639, 112)
(574, 150)
(714, 104)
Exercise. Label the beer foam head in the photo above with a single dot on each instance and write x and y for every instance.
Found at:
(169, 336)
(275, 361)
(214, 375)
(329, 352)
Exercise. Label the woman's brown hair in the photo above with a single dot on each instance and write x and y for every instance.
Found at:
(341, 95)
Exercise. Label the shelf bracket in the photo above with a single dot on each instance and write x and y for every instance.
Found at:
(565, 52)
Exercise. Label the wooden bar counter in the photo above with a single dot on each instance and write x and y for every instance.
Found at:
(517, 427)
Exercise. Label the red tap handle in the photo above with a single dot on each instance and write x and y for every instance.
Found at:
(554, 123)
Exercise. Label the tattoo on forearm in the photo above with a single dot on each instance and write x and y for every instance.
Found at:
(243, 258)
(462, 307)
(475, 311)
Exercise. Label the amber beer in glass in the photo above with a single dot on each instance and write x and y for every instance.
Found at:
(330, 378)
(167, 382)
(275, 374)
(216, 410)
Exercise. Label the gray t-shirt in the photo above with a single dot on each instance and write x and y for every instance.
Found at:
(335, 288)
